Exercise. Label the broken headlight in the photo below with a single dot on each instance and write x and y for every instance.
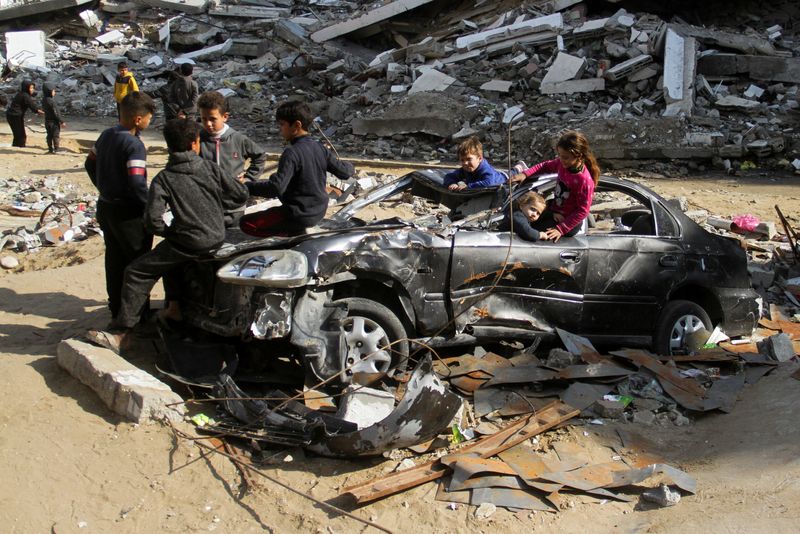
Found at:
(269, 268)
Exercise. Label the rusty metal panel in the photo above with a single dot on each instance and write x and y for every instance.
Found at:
(686, 391)
(723, 392)
(465, 467)
(581, 395)
(520, 375)
(510, 498)
(593, 370)
(516, 432)
(635, 476)
(587, 478)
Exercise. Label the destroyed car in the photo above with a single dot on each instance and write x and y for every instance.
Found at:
(358, 297)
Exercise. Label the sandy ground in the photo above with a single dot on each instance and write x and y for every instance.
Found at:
(69, 465)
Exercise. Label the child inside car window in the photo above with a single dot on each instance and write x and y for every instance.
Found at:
(526, 211)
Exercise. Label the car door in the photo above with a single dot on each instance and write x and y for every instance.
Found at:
(630, 275)
(528, 286)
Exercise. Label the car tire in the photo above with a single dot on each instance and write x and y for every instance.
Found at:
(369, 326)
(678, 319)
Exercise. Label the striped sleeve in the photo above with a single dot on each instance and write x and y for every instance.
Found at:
(136, 164)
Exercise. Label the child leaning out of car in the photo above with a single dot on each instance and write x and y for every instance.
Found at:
(475, 171)
(299, 183)
(525, 212)
(578, 174)
(196, 192)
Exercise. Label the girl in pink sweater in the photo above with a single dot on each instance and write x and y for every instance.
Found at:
(578, 173)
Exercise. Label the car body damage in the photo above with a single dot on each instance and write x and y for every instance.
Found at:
(338, 292)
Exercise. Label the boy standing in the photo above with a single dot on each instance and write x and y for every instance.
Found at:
(52, 118)
(180, 98)
(300, 180)
(116, 166)
(197, 192)
(475, 171)
(124, 84)
(222, 144)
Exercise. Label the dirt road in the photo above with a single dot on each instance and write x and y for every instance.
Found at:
(69, 465)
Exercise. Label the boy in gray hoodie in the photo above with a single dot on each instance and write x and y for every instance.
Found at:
(53, 121)
(197, 192)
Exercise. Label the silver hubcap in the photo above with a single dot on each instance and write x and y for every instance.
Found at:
(683, 327)
(367, 346)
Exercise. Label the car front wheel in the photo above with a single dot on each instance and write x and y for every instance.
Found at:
(375, 339)
(678, 320)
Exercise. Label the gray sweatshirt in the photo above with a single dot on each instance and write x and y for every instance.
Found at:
(197, 192)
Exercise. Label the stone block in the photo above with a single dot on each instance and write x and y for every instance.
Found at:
(123, 387)
(778, 347)
(609, 409)
(25, 48)
(586, 85)
(565, 67)
(560, 358)
(431, 80)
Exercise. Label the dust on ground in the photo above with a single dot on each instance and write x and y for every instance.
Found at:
(69, 465)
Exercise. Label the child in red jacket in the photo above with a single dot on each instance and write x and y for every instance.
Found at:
(578, 173)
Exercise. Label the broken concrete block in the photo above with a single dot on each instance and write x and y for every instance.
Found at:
(662, 496)
(736, 103)
(369, 18)
(512, 114)
(586, 85)
(209, 51)
(565, 67)
(754, 92)
(778, 347)
(591, 28)
(89, 18)
(431, 80)
(510, 32)
(644, 417)
(192, 7)
(609, 409)
(365, 406)
(248, 12)
(291, 32)
(679, 73)
(110, 37)
(628, 68)
(25, 49)
(124, 388)
(500, 86)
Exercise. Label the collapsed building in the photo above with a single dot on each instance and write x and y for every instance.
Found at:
(408, 79)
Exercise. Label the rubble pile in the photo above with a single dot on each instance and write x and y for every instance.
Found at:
(56, 216)
(406, 76)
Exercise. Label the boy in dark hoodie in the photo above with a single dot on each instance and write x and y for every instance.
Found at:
(299, 183)
(180, 95)
(15, 114)
(52, 118)
(197, 193)
(225, 146)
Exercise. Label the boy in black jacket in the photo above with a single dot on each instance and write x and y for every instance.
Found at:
(300, 180)
(52, 118)
(197, 192)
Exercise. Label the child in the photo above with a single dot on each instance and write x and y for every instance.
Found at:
(116, 166)
(52, 118)
(300, 180)
(180, 97)
(197, 192)
(475, 171)
(124, 84)
(222, 144)
(526, 210)
(15, 114)
(578, 174)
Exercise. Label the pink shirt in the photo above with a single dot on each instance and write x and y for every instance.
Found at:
(573, 193)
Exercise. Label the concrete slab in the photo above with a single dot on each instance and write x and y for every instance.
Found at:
(18, 10)
(209, 51)
(192, 7)
(249, 12)
(25, 49)
(367, 19)
(123, 387)
(586, 85)
(484, 38)
(680, 67)
(565, 67)
(431, 80)
(500, 86)
(774, 69)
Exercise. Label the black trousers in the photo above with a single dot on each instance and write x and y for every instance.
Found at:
(126, 240)
(17, 124)
(546, 221)
(53, 129)
(142, 275)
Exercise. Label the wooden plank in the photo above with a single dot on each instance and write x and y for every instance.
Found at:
(517, 432)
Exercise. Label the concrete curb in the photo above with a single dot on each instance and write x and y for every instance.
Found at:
(123, 387)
